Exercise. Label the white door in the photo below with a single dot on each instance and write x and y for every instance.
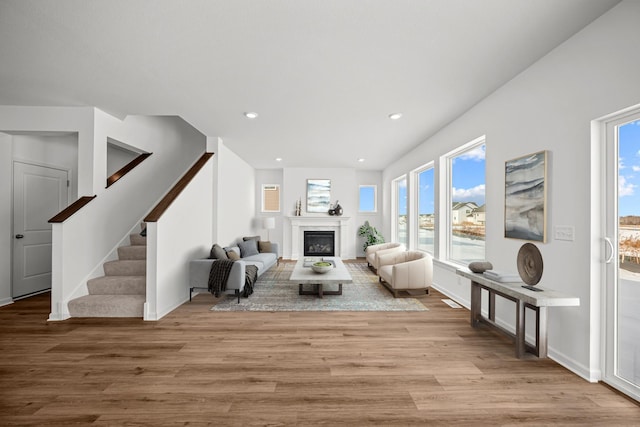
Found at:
(622, 287)
(38, 194)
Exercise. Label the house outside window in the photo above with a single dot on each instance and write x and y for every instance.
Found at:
(466, 199)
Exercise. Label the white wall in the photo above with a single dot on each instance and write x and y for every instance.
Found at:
(117, 158)
(344, 187)
(107, 220)
(235, 207)
(181, 235)
(345, 184)
(39, 120)
(6, 235)
(57, 119)
(375, 219)
(549, 107)
(270, 176)
(60, 151)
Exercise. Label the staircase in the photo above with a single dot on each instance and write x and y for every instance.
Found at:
(121, 292)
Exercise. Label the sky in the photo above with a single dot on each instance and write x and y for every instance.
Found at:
(468, 180)
(468, 176)
(629, 169)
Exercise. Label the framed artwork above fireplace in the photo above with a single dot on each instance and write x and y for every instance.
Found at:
(318, 195)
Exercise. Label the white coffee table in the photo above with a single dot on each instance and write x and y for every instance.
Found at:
(306, 276)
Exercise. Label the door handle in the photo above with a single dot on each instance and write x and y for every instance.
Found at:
(19, 236)
(610, 258)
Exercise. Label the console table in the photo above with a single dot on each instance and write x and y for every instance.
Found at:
(524, 298)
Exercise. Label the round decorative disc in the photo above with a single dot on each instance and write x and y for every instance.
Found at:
(530, 264)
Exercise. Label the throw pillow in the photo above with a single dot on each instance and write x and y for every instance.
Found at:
(256, 238)
(235, 249)
(248, 248)
(217, 252)
(233, 256)
(264, 246)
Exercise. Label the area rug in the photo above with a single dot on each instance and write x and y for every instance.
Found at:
(274, 292)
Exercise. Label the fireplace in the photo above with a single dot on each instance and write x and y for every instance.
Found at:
(319, 243)
(344, 240)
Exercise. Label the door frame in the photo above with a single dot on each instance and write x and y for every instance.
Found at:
(608, 141)
(15, 160)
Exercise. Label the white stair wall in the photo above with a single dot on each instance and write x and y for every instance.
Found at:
(121, 292)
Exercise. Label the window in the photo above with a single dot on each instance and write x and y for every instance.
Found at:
(368, 198)
(270, 198)
(426, 208)
(400, 192)
(466, 199)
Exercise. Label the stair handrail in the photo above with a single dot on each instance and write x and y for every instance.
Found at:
(74, 207)
(126, 169)
(182, 183)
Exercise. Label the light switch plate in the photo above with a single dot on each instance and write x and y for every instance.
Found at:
(564, 232)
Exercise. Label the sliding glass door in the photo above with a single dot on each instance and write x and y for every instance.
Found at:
(622, 287)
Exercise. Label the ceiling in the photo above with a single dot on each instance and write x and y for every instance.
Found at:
(322, 75)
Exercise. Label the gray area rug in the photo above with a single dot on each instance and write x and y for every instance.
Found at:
(274, 292)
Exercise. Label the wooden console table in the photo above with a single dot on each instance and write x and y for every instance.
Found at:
(524, 298)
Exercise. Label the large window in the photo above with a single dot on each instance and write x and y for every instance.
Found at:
(400, 192)
(426, 208)
(466, 191)
(368, 199)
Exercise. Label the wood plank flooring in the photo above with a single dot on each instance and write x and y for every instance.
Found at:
(196, 367)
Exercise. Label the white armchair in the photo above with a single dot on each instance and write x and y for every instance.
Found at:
(373, 251)
(404, 271)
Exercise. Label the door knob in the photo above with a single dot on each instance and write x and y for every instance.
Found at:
(19, 236)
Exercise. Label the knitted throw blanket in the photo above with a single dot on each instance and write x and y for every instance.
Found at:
(251, 273)
(218, 276)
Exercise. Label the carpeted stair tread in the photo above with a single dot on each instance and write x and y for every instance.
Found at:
(121, 292)
(125, 268)
(117, 285)
(132, 252)
(107, 306)
(137, 240)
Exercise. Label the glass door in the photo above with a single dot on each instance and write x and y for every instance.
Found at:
(622, 287)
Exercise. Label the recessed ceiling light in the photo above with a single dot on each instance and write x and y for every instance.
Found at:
(395, 116)
(361, 160)
(251, 115)
(278, 159)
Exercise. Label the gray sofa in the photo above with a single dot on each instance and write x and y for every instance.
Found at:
(199, 270)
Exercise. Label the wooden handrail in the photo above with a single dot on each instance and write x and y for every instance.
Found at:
(71, 209)
(166, 201)
(126, 169)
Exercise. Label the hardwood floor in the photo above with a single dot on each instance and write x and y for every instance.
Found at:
(197, 367)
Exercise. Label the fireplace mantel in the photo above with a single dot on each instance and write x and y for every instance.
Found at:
(339, 224)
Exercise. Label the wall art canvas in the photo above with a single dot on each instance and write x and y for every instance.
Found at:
(318, 195)
(526, 197)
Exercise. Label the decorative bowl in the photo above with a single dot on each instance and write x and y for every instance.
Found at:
(321, 266)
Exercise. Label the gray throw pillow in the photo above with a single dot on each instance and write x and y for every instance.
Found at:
(217, 252)
(248, 248)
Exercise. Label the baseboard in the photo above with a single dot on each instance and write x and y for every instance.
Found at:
(456, 298)
(58, 317)
(577, 368)
(157, 315)
(6, 301)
